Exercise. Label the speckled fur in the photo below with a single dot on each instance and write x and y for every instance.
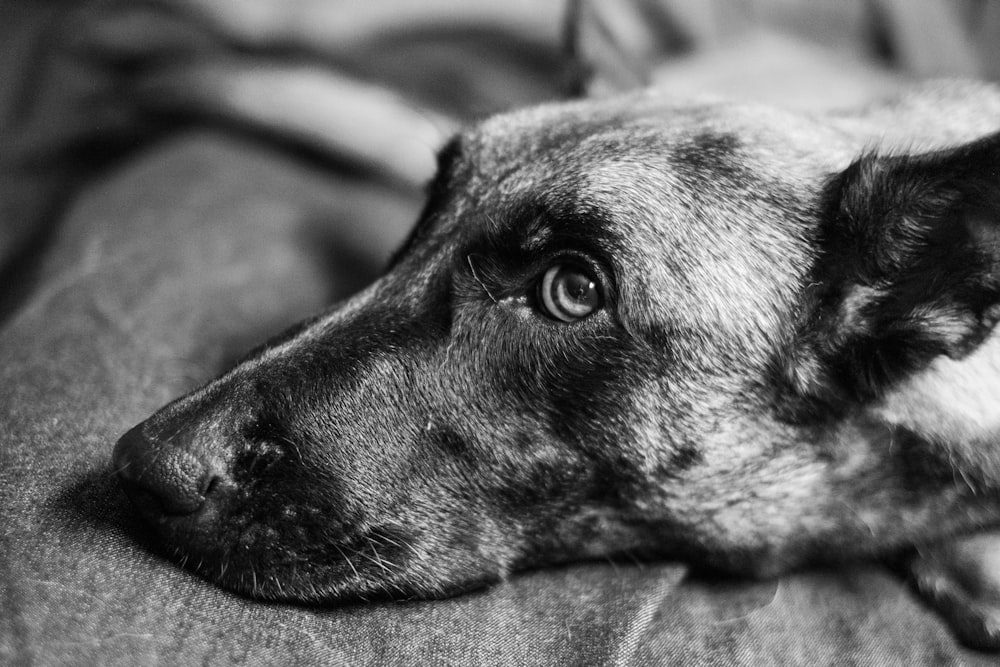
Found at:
(436, 432)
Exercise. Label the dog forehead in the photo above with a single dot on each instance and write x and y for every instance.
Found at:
(706, 206)
(548, 131)
(642, 152)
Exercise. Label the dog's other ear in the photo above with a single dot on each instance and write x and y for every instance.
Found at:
(908, 269)
(616, 44)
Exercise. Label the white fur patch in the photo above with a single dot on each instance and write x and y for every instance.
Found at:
(952, 402)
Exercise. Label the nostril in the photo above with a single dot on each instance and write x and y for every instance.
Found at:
(162, 479)
(209, 484)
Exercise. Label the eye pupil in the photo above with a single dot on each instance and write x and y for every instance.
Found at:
(568, 293)
(579, 287)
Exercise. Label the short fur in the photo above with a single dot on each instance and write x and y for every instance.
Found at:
(795, 361)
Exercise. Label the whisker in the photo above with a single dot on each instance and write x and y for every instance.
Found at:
(347, 560)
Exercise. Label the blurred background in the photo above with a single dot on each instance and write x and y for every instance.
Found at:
(372, 87)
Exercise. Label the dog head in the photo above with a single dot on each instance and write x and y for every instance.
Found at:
(698, 331)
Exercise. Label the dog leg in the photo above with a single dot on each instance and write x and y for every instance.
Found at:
(962, 580)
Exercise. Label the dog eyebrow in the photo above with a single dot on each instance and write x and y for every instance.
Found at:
(538, 234)
(518, 234)
(538, 227)
(567, 222)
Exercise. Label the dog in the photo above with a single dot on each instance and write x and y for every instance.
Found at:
(747, 338)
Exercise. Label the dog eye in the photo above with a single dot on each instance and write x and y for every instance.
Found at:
(568, 293)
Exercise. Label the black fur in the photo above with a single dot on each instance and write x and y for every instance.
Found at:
(908, 268)
(767, 290)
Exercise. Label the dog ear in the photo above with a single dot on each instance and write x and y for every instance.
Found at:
(908, 269)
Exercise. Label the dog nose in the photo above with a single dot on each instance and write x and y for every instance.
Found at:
(160, 478)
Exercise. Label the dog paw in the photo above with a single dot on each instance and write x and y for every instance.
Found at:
(962, 581)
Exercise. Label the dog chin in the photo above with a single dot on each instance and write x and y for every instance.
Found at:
(375, 565)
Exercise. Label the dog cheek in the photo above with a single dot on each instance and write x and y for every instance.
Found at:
(464, 548)
(589, 446)
(594, 404)
(503, 476)
(560, 408)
